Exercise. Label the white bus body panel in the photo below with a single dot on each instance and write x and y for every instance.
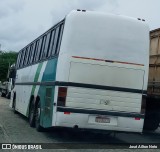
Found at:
(95, 99)
(106, 37)
(103, 36)
(23, 92)
(87, 121)
(107, 75)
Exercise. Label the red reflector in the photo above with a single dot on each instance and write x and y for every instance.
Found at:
(137, 118)
(66, 113)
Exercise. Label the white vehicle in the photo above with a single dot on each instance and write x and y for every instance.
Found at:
(89, 71)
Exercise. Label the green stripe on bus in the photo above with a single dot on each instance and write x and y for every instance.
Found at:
(36, 77)
(35, 80)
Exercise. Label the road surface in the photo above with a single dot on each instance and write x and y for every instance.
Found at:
(14, 128)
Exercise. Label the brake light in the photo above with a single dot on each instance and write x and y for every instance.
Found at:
(137, 118)
(143, 104)
(67, 113)
(62, 93)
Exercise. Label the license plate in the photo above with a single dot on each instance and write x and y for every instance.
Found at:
(102, 119)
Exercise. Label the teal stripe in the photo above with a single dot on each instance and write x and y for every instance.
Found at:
(35, 80)
(36, 77)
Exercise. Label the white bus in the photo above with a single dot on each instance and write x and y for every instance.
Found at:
(89, 71)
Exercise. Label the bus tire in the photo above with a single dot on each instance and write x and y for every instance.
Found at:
(3, 95)
(32, 114)
(9, 95)
(152, 121)
(39, 128)
(14, 104)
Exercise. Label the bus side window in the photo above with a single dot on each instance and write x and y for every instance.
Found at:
(30, 53)
(51, 42)
(19, 64)
(46, 49)
(39, 49)
(18, 59)
(36, 50)
(54, 46)
(33, 53)
(59, 38)
(27, 55)
(43, 47)
(22, 59)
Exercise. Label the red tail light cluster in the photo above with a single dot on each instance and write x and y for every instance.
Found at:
(62, 93)
(143, 104)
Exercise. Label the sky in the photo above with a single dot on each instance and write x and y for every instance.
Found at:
(21, 21)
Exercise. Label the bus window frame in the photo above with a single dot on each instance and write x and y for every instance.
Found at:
(36, 47)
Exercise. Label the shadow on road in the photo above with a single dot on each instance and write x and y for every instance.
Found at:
(77, 135)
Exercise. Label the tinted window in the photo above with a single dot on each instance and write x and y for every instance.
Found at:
(17, 64)
(33, 53)
(39, 50)
(54, 46)
(43, 46)
(30, 53)
(46, 49)
(36, 50)
(26, 55)
(60, 38)
(51, 42)
(18, 60)
(22, 58)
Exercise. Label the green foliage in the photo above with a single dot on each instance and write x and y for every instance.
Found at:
(6, 59)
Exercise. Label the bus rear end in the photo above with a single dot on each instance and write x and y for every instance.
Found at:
(102, 72)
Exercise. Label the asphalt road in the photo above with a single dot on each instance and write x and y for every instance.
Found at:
(14, 128)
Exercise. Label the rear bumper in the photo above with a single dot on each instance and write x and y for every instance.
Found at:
(87, 121)
(90, 111)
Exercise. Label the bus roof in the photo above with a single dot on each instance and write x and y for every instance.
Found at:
(106, 36)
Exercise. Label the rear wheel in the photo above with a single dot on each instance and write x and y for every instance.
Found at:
(37, 117)
(14, 104)
(32, 114)
(151, 121)
(3, 94)
(8, 95)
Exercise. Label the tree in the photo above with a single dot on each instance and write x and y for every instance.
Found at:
(6, 59)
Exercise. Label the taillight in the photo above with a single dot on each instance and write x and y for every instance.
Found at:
(143, 104)
(62, 93)
(67, 113)
(137, 118)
